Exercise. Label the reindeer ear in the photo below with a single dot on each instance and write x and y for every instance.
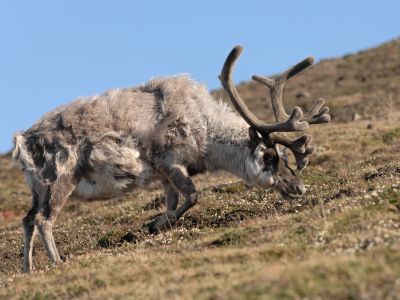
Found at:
(282, 153)
(254, 138)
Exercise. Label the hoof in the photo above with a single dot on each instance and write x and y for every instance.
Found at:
(152, 227)
(161, 223)
(27, 270)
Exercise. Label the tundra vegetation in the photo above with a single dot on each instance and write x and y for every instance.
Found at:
(341, 239)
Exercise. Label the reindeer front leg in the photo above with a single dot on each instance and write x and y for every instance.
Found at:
(179, 180)
(171, 195)
(167, 219)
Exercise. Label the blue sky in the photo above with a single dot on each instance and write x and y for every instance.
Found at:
(52, 52)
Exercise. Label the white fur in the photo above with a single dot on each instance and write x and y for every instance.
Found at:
(255, 166)
(213, 135)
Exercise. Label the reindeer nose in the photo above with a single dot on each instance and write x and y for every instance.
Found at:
(301, 189)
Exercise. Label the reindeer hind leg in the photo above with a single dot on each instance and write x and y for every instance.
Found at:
(56, 196)
(28, 223)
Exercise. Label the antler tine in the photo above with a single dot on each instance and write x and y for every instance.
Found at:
(277, 84)
(318, 113)
(291, 123)
(300, 148)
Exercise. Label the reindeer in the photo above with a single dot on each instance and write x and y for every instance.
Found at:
(168, 130)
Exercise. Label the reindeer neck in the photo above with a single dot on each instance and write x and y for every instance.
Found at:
(227, 147)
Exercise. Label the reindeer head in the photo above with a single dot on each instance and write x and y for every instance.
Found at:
(267, 142)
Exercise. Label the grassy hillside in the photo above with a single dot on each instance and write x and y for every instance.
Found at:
(342, 240)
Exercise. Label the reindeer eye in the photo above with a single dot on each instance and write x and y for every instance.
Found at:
(269, 156)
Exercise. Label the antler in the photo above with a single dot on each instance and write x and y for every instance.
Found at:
(291, 123)
(300, 147)
(318, 113)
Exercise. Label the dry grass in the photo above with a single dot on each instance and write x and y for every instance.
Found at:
(341, 241)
